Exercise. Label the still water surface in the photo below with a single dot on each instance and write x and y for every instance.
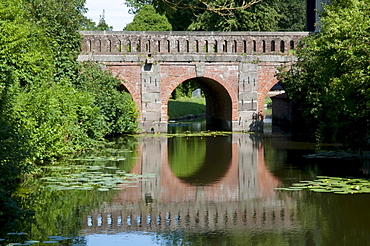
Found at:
(207, 190)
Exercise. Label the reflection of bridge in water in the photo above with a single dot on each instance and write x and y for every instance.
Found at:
(242, 198)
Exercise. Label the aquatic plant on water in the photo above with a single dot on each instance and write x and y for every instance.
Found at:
(99, 176)
(336, 185)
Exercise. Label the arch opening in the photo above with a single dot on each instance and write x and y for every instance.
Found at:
(277, 109)
(218, 109)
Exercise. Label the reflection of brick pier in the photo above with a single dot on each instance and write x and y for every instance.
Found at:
(243, 197)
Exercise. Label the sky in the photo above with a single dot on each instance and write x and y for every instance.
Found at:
(116, 12)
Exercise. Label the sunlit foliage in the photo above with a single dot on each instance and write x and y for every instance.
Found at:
(330, 83)
(148, 20)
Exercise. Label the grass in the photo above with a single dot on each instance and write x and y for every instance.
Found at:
(185, 106)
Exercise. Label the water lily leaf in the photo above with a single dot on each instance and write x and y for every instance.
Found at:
(320, 190)
(58, 238)
(103, 189)
(299, 184)
(16, 233)
(32, 241)
(294, 188)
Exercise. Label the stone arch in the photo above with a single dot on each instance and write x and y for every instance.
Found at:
(127, 87)
(219, 101)
(128, 83)
(266, 80)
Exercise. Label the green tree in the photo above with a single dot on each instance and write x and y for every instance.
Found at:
(102, 25)
(116, 107)
(87, 24)
(263, 16)
(25, 56)
(330, 83)
(230, 15)
(38, 101)
(60, 19)
(55, 118)
(292, 15)
(148, 20)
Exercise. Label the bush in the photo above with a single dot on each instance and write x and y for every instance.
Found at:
(56, 119)
(116, 107)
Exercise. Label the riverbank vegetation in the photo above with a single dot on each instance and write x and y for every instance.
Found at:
(53, 103)
(50, 105)
(330, 82)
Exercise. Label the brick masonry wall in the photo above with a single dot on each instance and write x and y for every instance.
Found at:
(266, 80)
(130, 74)
(236, 69)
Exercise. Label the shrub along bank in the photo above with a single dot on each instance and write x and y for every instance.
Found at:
(51, 105)
(330, 82)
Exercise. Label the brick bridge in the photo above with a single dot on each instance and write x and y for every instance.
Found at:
(235, 70)
(241, 197)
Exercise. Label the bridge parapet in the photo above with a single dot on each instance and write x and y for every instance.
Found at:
(249, 43)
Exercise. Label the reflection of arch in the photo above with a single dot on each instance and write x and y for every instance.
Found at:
(212, 166)
(219, 102)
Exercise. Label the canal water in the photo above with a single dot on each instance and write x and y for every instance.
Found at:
(193, 189)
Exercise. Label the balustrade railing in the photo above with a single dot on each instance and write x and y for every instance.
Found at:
(116, 43)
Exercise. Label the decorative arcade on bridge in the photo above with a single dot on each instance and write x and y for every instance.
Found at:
(235, 70)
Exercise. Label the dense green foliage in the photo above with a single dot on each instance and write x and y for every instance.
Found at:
(60, 20)
(102, 25)
(148, 20)
(89, 25)
(185, 89)
(116, 107)
(229, 15)
(50, 105)
(56, 118)
(47, 98)
(330, 83)
(259, 17)
(25, 56)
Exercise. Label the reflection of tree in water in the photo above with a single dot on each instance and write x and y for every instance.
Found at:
(199, 161)
(41, 212)
(14, 150)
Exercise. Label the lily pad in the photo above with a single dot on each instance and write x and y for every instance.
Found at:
(337, 185)
(32, 242)
(59, 238)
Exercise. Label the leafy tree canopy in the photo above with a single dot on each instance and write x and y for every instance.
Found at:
(89, 25)
(41, 103)
(330, 83)
(148, 20)
(60, 19)
(230, 15)
(25, 54)
(102, 25)
(259, 17)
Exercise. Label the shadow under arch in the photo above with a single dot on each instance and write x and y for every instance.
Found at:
(200, 161)
(218, 104)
